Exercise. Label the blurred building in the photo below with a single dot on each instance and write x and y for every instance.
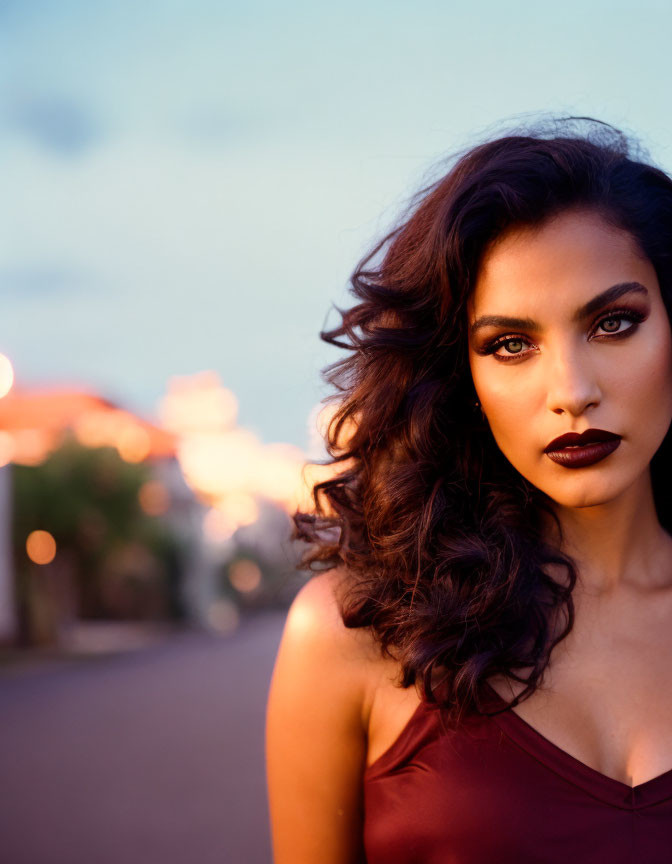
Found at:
(221, 495)
(35, 423)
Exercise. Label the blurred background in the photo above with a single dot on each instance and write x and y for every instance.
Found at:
(186, 188)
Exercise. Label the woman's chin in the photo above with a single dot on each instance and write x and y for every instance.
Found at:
(585, 492)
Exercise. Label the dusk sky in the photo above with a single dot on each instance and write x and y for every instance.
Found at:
(188, 185)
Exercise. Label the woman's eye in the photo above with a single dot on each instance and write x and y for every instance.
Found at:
(513, 346)
(612, 324)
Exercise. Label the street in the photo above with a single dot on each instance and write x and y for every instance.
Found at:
(149, 757)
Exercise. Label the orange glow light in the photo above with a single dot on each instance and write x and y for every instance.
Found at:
(133, 444)
(245, 575)
(154, 498)
(198, 403)
(93, 428)
(239, 507)
(41, 547)
(217, 526)
(32, 446)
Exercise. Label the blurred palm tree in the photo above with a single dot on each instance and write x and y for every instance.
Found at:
(112, 559)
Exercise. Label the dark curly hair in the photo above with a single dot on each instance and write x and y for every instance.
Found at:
(439, 535)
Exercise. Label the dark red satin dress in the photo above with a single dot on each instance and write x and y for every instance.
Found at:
(499, 792)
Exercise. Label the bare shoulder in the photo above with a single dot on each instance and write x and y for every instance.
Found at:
(316, 729)
(315, 639)
(315, 615)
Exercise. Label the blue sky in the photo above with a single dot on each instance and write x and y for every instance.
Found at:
(188, 185)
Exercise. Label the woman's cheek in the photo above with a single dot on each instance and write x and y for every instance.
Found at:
(649, 386)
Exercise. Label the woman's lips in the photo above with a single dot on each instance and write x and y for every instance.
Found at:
(582, 455)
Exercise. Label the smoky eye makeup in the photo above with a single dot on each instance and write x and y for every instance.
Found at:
(632, 315)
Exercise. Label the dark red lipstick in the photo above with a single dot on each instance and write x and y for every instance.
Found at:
(574, 450)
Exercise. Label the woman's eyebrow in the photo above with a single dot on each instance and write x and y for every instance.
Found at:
(583, 312)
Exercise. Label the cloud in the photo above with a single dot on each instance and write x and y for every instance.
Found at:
(36, 281)
(57, 124)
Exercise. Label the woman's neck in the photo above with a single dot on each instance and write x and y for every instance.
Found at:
(619, 546)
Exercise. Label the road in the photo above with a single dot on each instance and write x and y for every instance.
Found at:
(154, 756)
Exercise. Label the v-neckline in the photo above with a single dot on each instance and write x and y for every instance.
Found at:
(594, 782)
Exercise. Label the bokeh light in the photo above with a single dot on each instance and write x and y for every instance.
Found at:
(32, 446)
(239, 507)
(217, 526)
(41, 547)
(154, 498)
(226, 465)
(133, 443)
(245, 575)
(6, 375)
(198, 403)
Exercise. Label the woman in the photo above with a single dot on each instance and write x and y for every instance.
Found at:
(498, 532)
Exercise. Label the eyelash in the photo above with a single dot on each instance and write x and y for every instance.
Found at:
(623, 314)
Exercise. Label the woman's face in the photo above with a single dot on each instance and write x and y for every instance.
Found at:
(578, 361)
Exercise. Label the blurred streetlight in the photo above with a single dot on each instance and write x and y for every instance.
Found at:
(8, 621)
(6, 375)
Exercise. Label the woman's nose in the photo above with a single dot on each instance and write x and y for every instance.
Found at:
(571, 385)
